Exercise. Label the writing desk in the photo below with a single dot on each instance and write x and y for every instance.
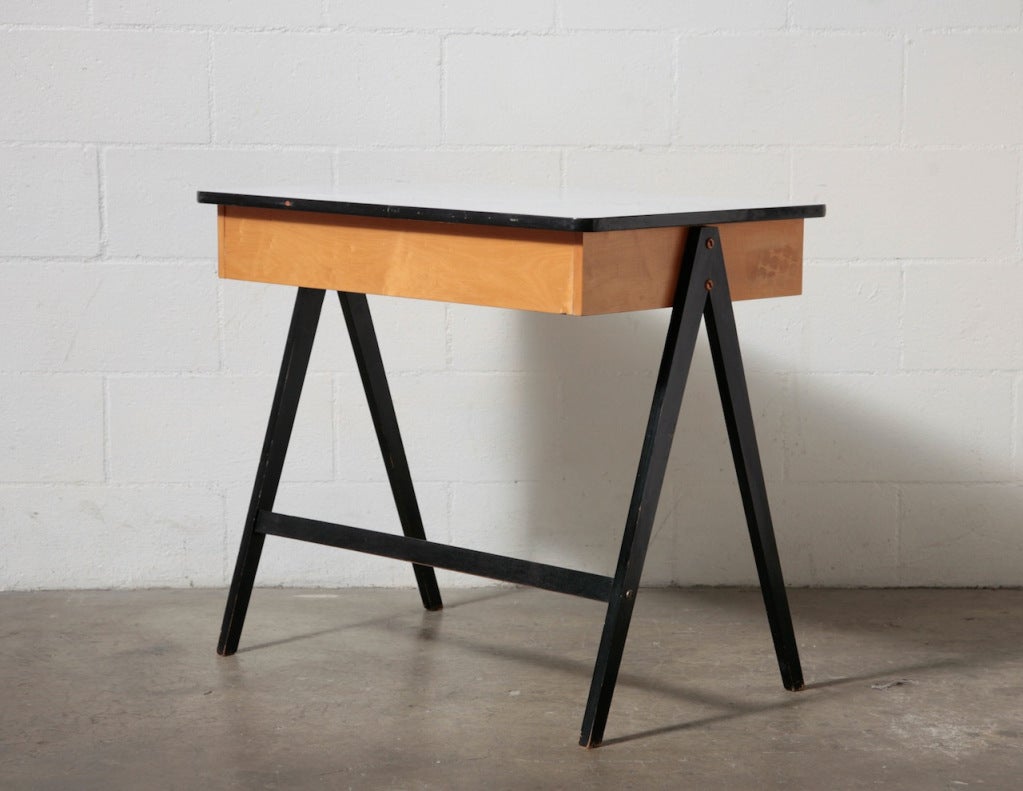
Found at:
(555, 258)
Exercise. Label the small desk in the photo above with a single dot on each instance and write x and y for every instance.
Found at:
(555, 258)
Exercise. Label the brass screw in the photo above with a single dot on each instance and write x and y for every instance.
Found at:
(709, 285)
(710, 244)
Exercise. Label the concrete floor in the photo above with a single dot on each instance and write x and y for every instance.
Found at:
(362, 689)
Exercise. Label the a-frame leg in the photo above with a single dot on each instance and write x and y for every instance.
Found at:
(724, 349)
(304, 320)
(299, 346)
(381, 407)
(701, 275)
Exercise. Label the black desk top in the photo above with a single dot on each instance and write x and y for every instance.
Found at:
(520, 210)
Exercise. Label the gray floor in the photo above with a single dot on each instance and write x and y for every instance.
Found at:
(362, 689)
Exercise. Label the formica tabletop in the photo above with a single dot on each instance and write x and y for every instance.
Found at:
(585, 212)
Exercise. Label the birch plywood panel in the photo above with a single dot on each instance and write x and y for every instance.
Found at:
(479, 265)
(638, 270)
(549, 271)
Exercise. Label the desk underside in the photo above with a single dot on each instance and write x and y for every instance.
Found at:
(579, 273)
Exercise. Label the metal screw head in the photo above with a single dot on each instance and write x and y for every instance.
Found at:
(709, 285)
(710, 244)
(629, 594)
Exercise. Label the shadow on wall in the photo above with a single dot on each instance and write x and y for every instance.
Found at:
(891, 479)
(873, 480)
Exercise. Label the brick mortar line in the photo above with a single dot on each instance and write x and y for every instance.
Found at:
(211, 93)
(904, 93)
(174, 146)
(234, 374)
(901, 319)
(653, 147)
(899, 30)
(1016, 417)
(107, 448)
(301, 30)
(899, 523)
(214, 374)
(773, 32)
(974, 373)
(792, 181)
(909, 147)
(335, 426)
(675, 118)
(788, 432)
(126, 375)
(449, 339)
(155, 27)
(335, 168)
(1000, 483)
(1019, 203)
(221, 328)
(442, 89)
(227, 551)
(781, 30)
(210, 487)
(101, 188)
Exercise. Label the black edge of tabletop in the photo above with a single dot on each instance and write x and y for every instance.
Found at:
(513, 220)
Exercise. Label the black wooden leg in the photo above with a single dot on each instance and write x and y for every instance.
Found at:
(683, 328)
(381, 407)
(304, 319)
(702, 290)
(724, 348)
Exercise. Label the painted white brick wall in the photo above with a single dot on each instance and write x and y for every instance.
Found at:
(139, 86)
(674, 15)
(910, 203)
(941, 108)
(50, 201)
(567, 89)
(145, 182)
(902, 15)
(134, 385)
(58, 317)
(326, 88)
(531, 15)
(53, 428)
(229, 13)
(795, 89)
